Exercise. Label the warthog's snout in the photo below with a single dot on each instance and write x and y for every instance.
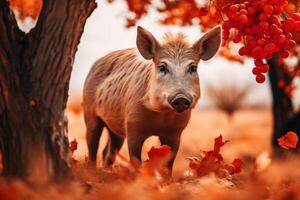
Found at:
(180, 102)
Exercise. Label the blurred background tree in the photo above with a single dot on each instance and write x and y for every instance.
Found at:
(228, 97)
(267, 31)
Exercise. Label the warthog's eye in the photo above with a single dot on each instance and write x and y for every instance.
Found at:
(192, 68)
(163, 68)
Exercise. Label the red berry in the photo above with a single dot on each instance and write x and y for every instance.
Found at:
(251, 11)
(243, 19)
(243, 12)
(295, 16)
(273, 28)
(264, 68)
(263, 17)
(270, 47)
(289, 24)
(260, 78)
(281, 39)
(255, 71)
(242, 51)
(237, 39)
(284, 54)
(262, 30)
(274, 20)
(264, 25)
(292, 43)
(261, 41)
(258, 63)
(269, 9)
(289, 35)
(234, 8)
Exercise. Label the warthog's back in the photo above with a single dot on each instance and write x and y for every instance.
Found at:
(115, 82)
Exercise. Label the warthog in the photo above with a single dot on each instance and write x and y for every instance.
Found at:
(151, 90)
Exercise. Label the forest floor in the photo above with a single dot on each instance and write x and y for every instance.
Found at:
(248, 133)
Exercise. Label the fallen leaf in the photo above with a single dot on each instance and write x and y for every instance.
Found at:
(219, 143)
(288, 141)
(157, 162)
(212, 162)
(73, 146)
(160, 152)
(238, 164)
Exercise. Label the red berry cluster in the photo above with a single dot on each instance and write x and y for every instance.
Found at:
(258, 26)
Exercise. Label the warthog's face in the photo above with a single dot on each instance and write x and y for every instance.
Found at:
(174, 83)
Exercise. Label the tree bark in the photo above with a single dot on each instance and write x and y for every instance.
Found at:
(285, 118)
(35, 70)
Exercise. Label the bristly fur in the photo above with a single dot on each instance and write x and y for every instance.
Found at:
(178, 39)
(127, 92)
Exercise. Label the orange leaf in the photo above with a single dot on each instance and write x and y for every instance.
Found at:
(158, 158)
(160, 152)
(288, 141)
(27, 8)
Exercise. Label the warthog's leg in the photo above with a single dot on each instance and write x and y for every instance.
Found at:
(173, 141)
(135, 140)
(113, 145)
(94, 128)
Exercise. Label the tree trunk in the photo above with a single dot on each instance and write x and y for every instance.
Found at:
(284, 116)
(35, 70)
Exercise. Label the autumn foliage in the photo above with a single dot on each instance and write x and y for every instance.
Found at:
(256, 29)
(26, 8)
(212, 162)
(259, 29)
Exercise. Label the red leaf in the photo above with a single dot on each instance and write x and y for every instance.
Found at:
(219, 143)
(212, 162)
(288, 141)
(8, 192)
(158, 159)
(160, 152)
(238, 164)
(73, 146)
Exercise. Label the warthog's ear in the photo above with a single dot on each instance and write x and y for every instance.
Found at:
(146, 43)
(209, 44)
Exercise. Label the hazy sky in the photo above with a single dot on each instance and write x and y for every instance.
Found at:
(105, 32)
